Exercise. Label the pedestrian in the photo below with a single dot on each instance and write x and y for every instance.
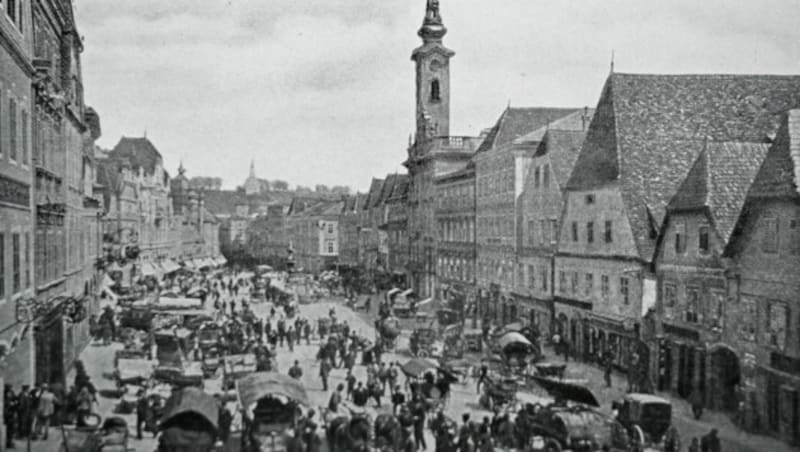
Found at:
(398, 399)
(393, 376)
(295, 371)
(672, 439)
(307, 331)
(324, 371)
(85, 400)
(351, 384)
(696, 401)
(45, 409)
(694, 446)
(142, 408)
(483, 374)
(281, 331)
(710, 442)
(290, 338)
(225, 421)
(608, 364)
(374, 390)
(383, 378)
(336, 399)
(418, 411)
(360, 395)
(10, 413)
(24, 408)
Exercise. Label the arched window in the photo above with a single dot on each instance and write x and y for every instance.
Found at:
(435, 94)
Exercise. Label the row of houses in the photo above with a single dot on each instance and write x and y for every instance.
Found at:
(659, 228)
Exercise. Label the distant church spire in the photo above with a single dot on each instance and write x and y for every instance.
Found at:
(181, 169)
(252, 169)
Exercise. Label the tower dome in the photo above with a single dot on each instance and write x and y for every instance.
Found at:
(433, 28)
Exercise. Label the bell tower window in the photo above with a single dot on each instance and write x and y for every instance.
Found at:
(435, 91)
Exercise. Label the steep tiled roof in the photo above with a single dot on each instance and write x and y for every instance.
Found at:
(648, 130)
(386, 190)
(719, 180)
(324, 208)
(577, 121)
(563, 147)
(516, 122)
(779, 176)
(138, 153)
(400, 189)
(374, 192)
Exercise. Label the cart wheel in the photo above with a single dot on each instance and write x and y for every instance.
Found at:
(551, 445)
(422, 353)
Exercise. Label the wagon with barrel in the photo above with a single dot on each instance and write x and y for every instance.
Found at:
(269, 402)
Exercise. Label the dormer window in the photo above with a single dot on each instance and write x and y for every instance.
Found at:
(435, 91)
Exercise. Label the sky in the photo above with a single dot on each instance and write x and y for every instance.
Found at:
(322, 91)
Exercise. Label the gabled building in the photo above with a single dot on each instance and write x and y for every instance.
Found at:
(693, 275)
(368, 238)
(646, 134)
(538, 214)
(349, 226)
(500, 166)
(761, 327)
(313, 231)
(396, 227)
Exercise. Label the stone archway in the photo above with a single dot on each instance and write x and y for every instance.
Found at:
(724, 375)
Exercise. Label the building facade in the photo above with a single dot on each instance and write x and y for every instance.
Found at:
(455, 217)
(313, 232)
(432, 151)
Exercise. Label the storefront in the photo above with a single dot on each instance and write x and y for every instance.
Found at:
(606, 334)
(681, 361)
(535, 312)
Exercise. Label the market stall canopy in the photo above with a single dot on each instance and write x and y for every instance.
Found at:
(407, 293)
(425, 302)
(190, 401)
(170, 266)
(148, 270)
(179, 303)
(418, 366)
(567, 391)
(514, 327)
(392, 292)
(513, 338)
(258, 385)
(129, 369)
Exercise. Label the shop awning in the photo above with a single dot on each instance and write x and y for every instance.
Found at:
(392, 292)
(425, 302)
(170, 266)
(407, 292)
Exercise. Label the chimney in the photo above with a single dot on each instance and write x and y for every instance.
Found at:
(200, 205)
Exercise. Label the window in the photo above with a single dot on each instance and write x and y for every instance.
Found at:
(670, 295)
(11, 10)
(544, 278)
(703, 239)
(562, 281)
(27, 260)
(546, 175)
(607, 234)
(769, 237)
(794, 236)
(553, 231)
(777, 324)
(589, 199)
(542, 232)
(15, 262)
(692, 302)
(24, 133)
(536, 177)
(605, 284)
(749, 318)
(589, 284)
(330, 228)
(680, 238)
(12, 128)
(330, 246)
(531, 276)
(574, 231)
(590, 232)
(2, 265)
(530, 232)
(624, 290)
(435, 94)
(715, 307)
(574, 282)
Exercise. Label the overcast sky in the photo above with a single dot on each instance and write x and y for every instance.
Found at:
(321, 91)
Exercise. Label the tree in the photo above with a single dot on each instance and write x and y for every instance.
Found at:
(340, 190)
(322, 188)
(279, 185)
(303, 189)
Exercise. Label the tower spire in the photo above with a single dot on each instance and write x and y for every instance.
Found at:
(433, 29)
(252, 169)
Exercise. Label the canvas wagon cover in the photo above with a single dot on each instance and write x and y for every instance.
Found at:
(258, 385)
(191, 400)
(513, 338)
(418, 366)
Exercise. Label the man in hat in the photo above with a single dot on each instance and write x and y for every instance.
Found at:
(10, 415)
(45, 410)
(295, 371)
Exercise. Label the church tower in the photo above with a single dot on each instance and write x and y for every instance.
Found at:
(432, 60)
